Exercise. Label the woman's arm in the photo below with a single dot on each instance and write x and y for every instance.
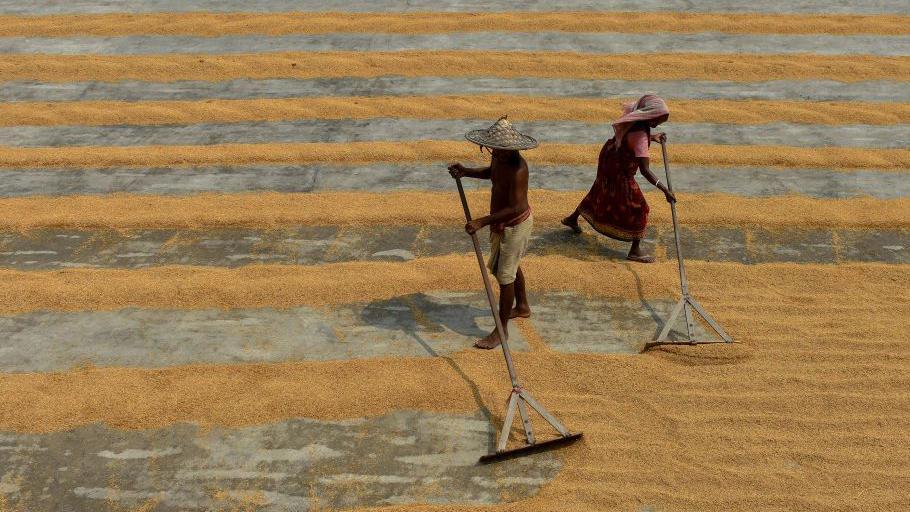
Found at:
(644, 165)
(638, 142)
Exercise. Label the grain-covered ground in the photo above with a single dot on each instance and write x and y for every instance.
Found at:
(233, 276)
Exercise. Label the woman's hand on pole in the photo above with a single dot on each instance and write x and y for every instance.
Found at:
(671, 198)
(660, 137)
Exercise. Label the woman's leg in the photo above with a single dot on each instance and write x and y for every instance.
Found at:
(572, 221)
(635, 253)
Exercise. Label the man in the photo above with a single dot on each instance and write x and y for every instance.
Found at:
(510, 218)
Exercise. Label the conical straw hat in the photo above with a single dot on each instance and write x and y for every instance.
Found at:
(501, 135)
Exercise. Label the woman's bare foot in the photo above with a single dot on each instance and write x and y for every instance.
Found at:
(572, 224)
(521, 312)
(489, 342)
(640, 258)
(635, 253)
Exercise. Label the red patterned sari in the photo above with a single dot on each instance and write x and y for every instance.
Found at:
(615, 205)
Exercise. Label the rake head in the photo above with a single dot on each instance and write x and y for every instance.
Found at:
(530, 448)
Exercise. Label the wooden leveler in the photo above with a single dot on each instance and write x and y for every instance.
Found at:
(519, 398)
(686, 303)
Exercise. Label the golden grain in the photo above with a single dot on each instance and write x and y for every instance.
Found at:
(675, 66)
(218, 24)
(522, 108)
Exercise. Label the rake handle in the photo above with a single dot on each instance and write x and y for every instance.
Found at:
(679, 256)
(494, 308)
(683, 280)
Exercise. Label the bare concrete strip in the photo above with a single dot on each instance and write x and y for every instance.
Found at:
(746, 181)
(130, 90)
(162, 181)
(602, 43)
(60, 249)
(398, 129)
(423, 325)
(572, 323)
(300, 465)
(37, 7)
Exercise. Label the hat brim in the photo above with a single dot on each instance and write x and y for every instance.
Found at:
(480, 138)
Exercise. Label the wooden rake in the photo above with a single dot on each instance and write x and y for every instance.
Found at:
(519, 397)
(686, 303)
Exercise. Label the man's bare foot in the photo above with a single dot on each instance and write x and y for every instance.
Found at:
(573, 224)
(489, 342)
(520, 312)
(640, 258)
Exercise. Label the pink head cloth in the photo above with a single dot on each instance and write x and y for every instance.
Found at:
(648, 107)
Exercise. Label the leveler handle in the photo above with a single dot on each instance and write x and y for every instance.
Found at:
(464, 200)
(663, 150)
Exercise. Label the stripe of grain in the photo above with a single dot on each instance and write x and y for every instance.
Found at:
(438, 107)
(286, 286)
(269, 209)
(436, 151)
(215, 24)
(739, 68)
(252, 394)
(228, 395)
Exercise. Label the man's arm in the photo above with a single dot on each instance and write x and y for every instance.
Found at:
(518, 203)
(644, 165)
(459, 171)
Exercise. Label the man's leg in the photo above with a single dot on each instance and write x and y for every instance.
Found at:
(522, 308)
(506, 299)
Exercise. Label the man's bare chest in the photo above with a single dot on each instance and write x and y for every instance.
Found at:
(502, 180)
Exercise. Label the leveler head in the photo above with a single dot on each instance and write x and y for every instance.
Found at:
(530, 448)
(520, 400)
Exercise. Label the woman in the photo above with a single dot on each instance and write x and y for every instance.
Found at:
(615, 205)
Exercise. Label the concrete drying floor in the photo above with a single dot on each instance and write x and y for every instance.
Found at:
(404, 456)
